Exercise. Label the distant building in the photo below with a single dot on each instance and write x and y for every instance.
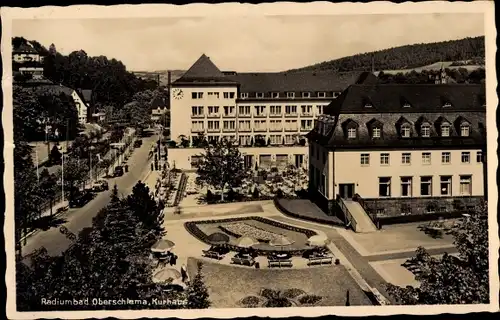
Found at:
(82, 99)
(99, 117)
(267, 114)
(402, 149)
(26, 53)
(159, 107)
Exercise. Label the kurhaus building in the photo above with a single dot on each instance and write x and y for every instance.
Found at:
(267, 114)
(400, 149)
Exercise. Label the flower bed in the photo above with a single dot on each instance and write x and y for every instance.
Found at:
(194, 230)
(239, 229)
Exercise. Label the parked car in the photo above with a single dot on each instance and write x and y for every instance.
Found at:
(81, 199)
(118, 171)
(100, 185)
(137, 143)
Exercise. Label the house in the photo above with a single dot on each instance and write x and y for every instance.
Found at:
(99, 117)
(36, 73)
(159, 107)
(25, 53)
(82, 100)
(268, 114)
(392, 150)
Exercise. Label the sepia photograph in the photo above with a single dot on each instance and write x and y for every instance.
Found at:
(271, 160)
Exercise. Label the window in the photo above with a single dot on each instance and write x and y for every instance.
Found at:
(465, 185)
(479, 156)
(259, 95)
(426, 186)
(197, 126)
(445, 130)
(384, 159)
(406, 105)
(351, 133)
(244, 110)
(229, 110)
(446, 185)
(260, 125)
(213, 111)
(406, 186)
(289, 139)
(229, 125)
(384, 186)
(213, 125)
(276, 139)
(245, 140)
(319, 109)
(244, 125)
(465, 157)
(446, 157)
(213, 95)
(406, 158)
(291, 110)
(290, 95)
(291, 125)
(405, 131)
(447, 105)
(226, 95)
(231, 95)
(196, 111)
(425, 130)
(365, 159)
(306, 124)
(197, 95)
(306, 94)
(244, 95)
(321, 94)
(275, 95)
(260, 110)
(275, 125)
(376, 132)
(275, 110)
(464, 130)
(426, 158)
(306, 110)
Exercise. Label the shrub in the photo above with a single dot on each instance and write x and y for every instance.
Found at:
(337, 261)
(293, 293)
(231, 195)
(250, 301)
(255, 193)
(310, 299)
(210, 196)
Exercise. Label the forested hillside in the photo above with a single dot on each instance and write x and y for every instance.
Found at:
(471, 50)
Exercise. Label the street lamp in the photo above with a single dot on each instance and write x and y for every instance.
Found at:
(90, 163)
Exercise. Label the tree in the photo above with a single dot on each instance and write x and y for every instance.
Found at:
(452, 280)
(55, 155)
(197, 292)
(75, 173)
(144, 206)
(48, 185)
(114, 194)
(221, 165)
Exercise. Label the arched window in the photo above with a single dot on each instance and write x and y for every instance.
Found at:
(445, 129)
(425, 130)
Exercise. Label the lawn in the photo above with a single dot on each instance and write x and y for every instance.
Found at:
(227, 285)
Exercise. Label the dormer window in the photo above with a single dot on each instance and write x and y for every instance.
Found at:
(351, 133)
(406, 105)
(321, 94)
(464, 129)
(374, 126)
(405, 130)
(275, 95)
(376, 132)
(368, 105)
(244, 95)
(425, 130)
(306, 94)
(290, 95)
(445, 130)
(446, 105)
(259, 95)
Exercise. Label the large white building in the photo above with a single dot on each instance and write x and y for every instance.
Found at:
(402, 149)
(268, 114)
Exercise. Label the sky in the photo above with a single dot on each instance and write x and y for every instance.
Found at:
(244, 43)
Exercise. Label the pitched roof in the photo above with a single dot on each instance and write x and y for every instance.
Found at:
(297, 81)
(159, 102)
(420, 97)
(87, 95)
(24, 48)
(203, 70)
(426, 106)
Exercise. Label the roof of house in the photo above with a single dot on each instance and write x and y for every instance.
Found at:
(158, 102)
(53, 88)
(87, 95)
(203, 70)
(389, 114)
(298, 81)
(24, 48)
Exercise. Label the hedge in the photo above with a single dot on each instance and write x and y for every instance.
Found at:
(193, 229)
(286, 212)
(419, 217)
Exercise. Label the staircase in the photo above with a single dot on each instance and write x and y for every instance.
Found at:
(357, 216)
(180, 190)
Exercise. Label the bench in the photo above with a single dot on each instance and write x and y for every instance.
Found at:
(279, 263)
(319, 261)
(243, 261)
(212, 254)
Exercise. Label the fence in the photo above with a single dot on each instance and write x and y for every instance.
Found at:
(348, 217)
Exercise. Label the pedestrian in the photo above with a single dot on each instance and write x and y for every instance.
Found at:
(174, 259)
(184, 273)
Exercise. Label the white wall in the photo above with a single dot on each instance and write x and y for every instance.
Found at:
(181, 157)
(347, 169)
(24, 57)
(81, 108)
(323, 160)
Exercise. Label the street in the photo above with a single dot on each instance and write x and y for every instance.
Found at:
(77, 219)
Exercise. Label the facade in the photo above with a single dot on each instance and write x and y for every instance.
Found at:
(35, 72)
(272, 110)
(26, 53)
(82, 100)
(403, 149)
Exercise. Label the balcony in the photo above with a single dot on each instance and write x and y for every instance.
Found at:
(213, 115)
(213, 129)
(229, 130)
(229, 115)
(260, 115)
(197, 130)
(275, 115)
(276, 129)
(245, 130)
(197, 116)
(244, 115)
(259, 129)
(291, 115)
(306, 114)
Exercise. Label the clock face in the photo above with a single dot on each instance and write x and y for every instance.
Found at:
(177, 94)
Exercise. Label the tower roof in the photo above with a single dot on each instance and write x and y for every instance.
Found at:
(203, 70)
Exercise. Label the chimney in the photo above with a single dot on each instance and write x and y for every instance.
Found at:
(169, 78)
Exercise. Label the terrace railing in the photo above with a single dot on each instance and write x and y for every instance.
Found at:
(372, 215)
(349, 220)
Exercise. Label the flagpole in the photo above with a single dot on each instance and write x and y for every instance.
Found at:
(36, 160)
(62, 177)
